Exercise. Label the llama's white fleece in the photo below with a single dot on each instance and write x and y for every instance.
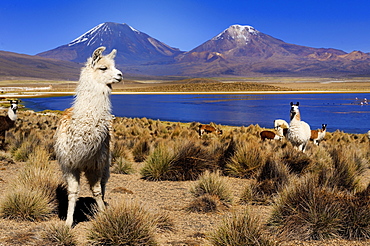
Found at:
(299, 133)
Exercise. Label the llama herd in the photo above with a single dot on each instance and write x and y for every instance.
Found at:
(297, 131)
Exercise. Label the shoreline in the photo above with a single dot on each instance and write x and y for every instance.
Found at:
(63, 93)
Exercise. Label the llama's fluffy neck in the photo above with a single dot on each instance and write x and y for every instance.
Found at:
(295, 116)
(12, 114)
(92, 100)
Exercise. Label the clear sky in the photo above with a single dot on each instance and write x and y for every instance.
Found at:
(33, 26)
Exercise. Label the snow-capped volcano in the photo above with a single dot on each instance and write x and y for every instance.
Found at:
(133, 46)
(237, 32)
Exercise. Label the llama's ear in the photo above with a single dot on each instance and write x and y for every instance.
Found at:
(113, 54)
(97, 55)
(291, 103)
(297, 103)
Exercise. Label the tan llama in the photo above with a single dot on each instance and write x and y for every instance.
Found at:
(82, 138)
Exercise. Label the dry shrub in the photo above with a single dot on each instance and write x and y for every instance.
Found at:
(191, 160)
(35, 189)
(240, 229)
(57, 233)
(212, 184)
(273, 177)
(126, 223)
(158, 164)
(348, 166)
(141, 150)
(26, 204)
(122, 166)
(296, 160)
(306, 211)
(39, 174)
(205, 204)
(246, 161)
(356, 223)
(164, 221)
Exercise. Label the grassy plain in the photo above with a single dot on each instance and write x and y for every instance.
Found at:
(162, 167)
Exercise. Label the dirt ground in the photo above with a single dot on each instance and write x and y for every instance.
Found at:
(168, 197)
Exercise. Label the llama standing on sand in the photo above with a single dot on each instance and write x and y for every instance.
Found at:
(82, 138)
(8, 121)
(299, 132)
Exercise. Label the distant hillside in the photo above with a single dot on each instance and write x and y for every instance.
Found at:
(13, 65)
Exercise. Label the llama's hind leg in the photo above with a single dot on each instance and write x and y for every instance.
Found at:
(73, 182)
(94, 179)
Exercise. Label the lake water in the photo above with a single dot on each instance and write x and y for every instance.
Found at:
(339, 110)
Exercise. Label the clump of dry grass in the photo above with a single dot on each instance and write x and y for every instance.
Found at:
(240, 229)
(212, 183)
(158, 164)
(126, 223)
(35, 190)
(57, 233)
(246, 161)
(141, 150)
(306, 211)
(123, 166)
(26, 204)
(274, 175)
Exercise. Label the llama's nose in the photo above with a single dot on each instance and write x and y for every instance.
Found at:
(119, 77)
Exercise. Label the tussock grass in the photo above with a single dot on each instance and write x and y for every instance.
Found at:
(123, 166)
(57, 233)
(246, 161)
(26, 204)
(305, 211)
(212, 183)
(126, 223)
(240, 229)
(158, 164)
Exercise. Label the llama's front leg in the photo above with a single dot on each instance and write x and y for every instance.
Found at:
(73, 182)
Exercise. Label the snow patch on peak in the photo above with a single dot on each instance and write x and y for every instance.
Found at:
(84, 37)
(133, 29)
(237, 32)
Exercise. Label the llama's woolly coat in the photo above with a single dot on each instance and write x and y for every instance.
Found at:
(299, 132)
(83, 132)
(83, 136)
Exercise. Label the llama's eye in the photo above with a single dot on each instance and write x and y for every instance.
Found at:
(103, 68)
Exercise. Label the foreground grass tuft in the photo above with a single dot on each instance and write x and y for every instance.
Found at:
(240, 229)
(59, 234)
(212, 184)
(25, 204)
(123, 224)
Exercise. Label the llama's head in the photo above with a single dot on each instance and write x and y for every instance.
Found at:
(103, 67)
(324, 126)
(294, 111)
(13, 105)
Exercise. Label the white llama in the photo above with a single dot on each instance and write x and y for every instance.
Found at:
(299, 132)
(82, 138)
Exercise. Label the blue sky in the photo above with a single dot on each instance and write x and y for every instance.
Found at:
(32, 26)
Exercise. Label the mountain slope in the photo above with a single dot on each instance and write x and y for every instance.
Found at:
(242, 50)
(19, 65)
(133, 46)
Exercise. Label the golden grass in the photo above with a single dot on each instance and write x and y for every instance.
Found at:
(337, 167)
